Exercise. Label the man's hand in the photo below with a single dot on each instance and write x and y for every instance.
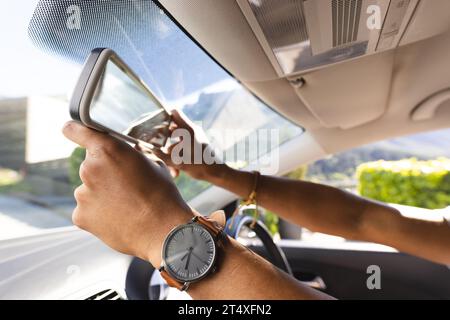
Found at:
(197, 171)
(131, 204)
(126, 200)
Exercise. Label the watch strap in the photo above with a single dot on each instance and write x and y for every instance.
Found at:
(209, 224)
(171, 282)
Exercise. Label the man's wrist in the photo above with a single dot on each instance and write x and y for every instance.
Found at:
(156, 239)
(217, 173)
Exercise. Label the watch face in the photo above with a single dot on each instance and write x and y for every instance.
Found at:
(189, 252)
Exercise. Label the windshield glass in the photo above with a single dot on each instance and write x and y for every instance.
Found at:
(41, 58)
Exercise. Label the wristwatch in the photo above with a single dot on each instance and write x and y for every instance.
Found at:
(190, 252)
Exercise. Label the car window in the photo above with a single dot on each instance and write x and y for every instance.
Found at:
(410, 173)
(41, 59)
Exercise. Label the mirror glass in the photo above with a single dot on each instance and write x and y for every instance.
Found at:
(123, 105)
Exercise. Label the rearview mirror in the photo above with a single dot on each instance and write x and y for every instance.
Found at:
(110, 97)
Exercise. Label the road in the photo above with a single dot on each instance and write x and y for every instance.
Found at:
(19, 217)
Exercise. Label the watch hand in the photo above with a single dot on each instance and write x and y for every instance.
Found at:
(184, 257)
(200, 259)
(188, 258)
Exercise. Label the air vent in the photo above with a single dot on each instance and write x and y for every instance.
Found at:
(106, 295)
(346, 15)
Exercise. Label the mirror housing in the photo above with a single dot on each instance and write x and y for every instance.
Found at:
(109, 97)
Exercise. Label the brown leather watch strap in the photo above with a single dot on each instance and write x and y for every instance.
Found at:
(171, 282)
(211, 225)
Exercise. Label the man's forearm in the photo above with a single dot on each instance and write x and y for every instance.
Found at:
(427, 237)
(336, 212)
(314, 206)
(244, 275)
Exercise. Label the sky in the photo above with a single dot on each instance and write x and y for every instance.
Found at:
(24, 69)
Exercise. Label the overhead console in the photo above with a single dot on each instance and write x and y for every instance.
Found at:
(347, 58)
(299, 36)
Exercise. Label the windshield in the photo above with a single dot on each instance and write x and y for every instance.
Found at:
(41, 58)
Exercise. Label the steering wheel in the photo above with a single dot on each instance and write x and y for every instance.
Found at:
(275, 255)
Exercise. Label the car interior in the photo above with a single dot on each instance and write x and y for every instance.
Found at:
(334, 74)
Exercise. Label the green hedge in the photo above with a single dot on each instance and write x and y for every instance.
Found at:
(411, 182)
(75, 160)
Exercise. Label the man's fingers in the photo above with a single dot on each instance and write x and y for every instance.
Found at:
(81, 135)
(166, 158)
(163, 156)
(174, 172)
(181, 121)
(171, 147)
